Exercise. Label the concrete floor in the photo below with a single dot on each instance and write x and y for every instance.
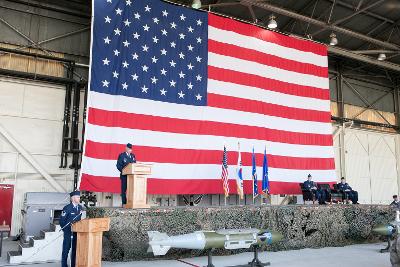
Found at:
(366, 255)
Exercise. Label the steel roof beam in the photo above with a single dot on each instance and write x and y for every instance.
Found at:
(322, 24)
(304, 8)
(362, 58)
(339, 21)
(375, 51)
(369, 13)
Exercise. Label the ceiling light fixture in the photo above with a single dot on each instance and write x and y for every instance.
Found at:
(381, 56)
(334, 40)
(272, 24)
(196, 4)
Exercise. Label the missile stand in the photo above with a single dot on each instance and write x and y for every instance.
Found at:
(209, 254)
(256, 261)
(395, 233)
(389, 240)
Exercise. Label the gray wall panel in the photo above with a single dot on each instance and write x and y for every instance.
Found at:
(369, 92)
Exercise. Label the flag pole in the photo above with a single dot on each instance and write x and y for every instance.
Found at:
(239, 187)
(227, 178)
(252, 178)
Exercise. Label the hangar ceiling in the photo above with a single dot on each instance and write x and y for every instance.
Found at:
(364, 28)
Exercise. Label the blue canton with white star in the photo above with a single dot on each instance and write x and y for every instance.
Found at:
(150, 49)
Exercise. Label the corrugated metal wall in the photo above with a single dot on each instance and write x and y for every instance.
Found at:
(32, 113)
(371, 165)
(29, 64)
(364, 114)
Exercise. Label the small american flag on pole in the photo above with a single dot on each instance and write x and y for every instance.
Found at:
(224, 175)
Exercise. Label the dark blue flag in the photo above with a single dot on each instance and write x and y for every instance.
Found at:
(254, 175)
(265, 180)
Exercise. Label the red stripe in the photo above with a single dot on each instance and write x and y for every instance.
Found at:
(265, 59)
(100, 183)
(254, 106)
(194, 156)
(187, 186)
(172, 125)
(252, 80)
(265, 35)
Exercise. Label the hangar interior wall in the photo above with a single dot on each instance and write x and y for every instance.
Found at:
(369, 161)
(31, 113)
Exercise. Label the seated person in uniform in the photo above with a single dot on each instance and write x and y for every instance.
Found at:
(395, 203)
(347, 190)
(312, 186)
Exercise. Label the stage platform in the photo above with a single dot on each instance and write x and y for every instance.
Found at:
(365, 255)
(303, 226)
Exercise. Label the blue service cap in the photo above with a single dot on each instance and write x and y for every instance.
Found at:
(309, 175)
(75, 193)
(129, 145)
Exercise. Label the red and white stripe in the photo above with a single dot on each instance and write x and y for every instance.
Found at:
(264, 89)
(224, 174)
(225, 179)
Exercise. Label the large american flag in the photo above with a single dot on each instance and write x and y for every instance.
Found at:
(180, 83)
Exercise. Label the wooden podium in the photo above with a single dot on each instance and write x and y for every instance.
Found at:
(89, 241)
(136, 192)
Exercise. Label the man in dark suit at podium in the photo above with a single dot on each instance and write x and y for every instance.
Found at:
(124, 159)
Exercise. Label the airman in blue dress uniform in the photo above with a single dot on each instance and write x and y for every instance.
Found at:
(312, 186)
(124, 159)
(345, 188)
(71, 213)
(395, 203)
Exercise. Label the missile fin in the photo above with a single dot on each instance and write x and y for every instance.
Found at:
(157, 249)
(156, 235)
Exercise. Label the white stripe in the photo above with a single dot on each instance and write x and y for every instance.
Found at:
(253, 43)
(254, 93)
(201, 113)
(202, 142)
(100, 167)
(251, 67)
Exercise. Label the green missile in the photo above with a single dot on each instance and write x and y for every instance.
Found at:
(160, 243)
(386, 230)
